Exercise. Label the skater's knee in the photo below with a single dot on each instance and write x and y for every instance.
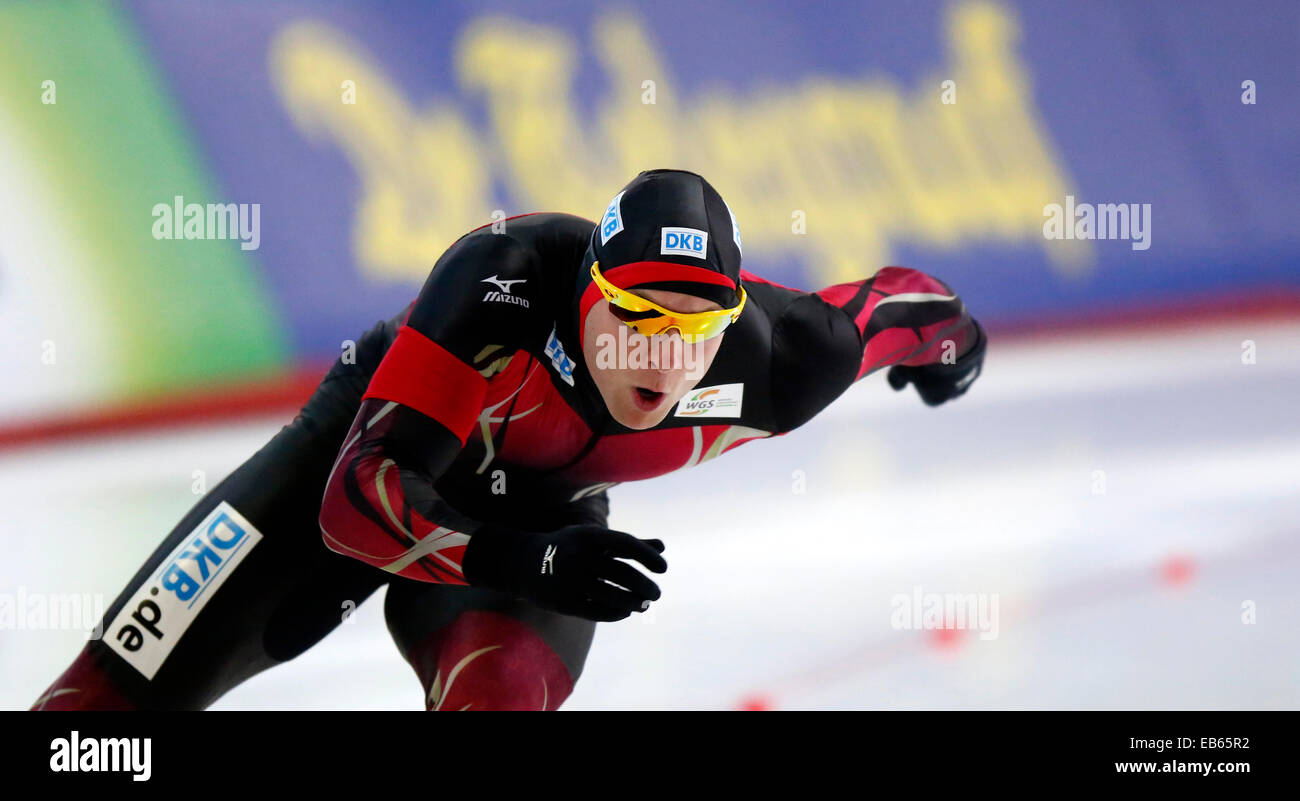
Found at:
(491, 661)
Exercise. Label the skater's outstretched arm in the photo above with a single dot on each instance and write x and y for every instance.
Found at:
(899, 318)
(904, 317)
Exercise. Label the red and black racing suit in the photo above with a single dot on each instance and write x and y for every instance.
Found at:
(473, 406)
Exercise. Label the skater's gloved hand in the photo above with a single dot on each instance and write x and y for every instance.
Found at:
(567, 570)
(940, 382)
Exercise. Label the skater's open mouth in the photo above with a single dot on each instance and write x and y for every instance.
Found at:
(647, 399)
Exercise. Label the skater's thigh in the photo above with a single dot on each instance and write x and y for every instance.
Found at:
(243, 582)
(417, 611)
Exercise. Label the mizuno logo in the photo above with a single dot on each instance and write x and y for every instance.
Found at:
(503, 285)
(504, 296)
(548, 560)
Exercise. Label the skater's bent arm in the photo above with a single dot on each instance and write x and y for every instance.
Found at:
(380, 505)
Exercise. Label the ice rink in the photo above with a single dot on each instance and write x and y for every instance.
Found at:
(1130, 503)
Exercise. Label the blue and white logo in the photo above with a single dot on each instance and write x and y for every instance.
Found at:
(562, 363)
(612, 222)
(684, 242)
(151, 624)
(735, 228)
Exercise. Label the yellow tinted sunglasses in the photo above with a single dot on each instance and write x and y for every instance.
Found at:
(649, 319)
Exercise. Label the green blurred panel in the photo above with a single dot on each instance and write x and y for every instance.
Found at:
(110, 148)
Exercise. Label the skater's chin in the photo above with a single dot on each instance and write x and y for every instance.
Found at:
(634, 414)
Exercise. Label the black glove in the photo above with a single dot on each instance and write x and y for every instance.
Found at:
(940, 382)
(566, 570)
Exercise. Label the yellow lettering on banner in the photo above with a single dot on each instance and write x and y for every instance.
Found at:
(869, 163)
(423, 176)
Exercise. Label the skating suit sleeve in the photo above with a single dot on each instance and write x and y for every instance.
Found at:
(825, 341)
(380, 505)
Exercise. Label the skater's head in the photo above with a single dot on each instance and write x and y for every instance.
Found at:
(663, 286)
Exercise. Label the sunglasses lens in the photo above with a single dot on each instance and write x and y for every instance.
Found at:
(631, 310)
